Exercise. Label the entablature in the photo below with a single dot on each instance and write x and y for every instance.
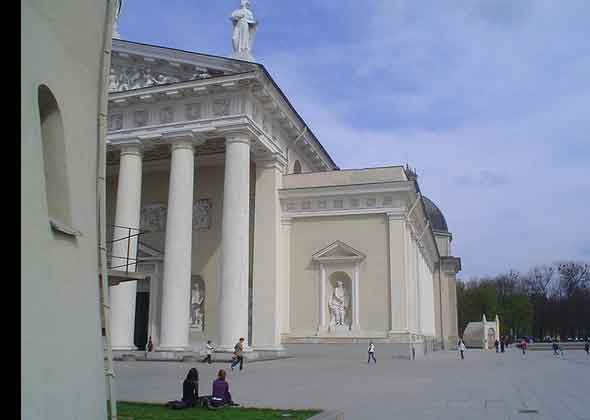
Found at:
(176, 84)
(343, 199)
(210, 135)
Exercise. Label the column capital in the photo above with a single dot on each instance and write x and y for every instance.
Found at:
(276, 161)
(179, 144)
(239, 136)
(185, 138)
(132, 149)
(287, 221)
(391, 216)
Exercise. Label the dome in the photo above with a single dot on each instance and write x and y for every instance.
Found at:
(437, 219)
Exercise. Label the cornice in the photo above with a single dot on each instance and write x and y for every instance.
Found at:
(394, 187)
(337, 212)
(450, 265)
(156, 52)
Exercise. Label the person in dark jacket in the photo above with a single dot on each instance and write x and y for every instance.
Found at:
(220, 395)
(190, 388)
(238, 357)
(587, 347)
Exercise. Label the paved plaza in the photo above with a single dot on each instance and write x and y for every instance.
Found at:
(485, 385)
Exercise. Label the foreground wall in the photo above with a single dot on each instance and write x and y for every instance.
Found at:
(62, 368)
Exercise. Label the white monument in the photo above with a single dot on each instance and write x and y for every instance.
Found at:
(197, 299)
(244, 31)
(482, 334)
(338, 304)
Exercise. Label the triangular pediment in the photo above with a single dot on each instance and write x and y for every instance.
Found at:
(337, 251)
(137, 66)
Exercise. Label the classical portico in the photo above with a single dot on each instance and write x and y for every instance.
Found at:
(183, 146)
(226, 116)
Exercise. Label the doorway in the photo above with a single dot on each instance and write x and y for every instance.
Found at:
(142, 311)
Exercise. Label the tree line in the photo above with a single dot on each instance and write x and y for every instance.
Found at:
(548, 301)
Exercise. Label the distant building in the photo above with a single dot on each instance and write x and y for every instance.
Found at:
(62, 358)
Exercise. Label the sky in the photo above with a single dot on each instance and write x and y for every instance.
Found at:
(488, 99)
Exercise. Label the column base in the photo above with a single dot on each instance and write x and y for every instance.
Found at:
(124, 348)
(173, 348)
(230, 349)
(270, 347)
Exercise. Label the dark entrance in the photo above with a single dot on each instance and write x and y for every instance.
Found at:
(142, 304)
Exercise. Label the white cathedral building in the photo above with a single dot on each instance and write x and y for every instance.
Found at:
(244, 226)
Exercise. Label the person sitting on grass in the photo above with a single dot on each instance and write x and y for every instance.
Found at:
(190, 388)
(220, 396)
(190, 392)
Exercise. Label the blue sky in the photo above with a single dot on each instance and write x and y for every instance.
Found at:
(488, 99)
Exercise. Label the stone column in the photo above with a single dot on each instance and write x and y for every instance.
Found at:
(411, 282)
(397, 273)
(127, 215)
(266, 316)
(233, 303)
(323, 323)
(178, 248)
(285, 268)
(356, 326)
(449, 267)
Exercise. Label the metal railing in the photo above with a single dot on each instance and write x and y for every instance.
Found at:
(129, 259)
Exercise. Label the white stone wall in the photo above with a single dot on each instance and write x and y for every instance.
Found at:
(62, 366)
(365, 233)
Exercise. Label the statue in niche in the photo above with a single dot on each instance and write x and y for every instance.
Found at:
(491, 338)
(338, 305)
(244, 31)
(197, 299)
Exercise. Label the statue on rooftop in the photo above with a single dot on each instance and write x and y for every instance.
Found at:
(244, 31)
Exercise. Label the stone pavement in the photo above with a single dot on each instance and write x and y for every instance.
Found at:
(484, 386)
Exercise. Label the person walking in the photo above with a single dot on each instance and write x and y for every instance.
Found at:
(523, 346)
(461, 347)
(371, 353)
(497, 345)
(502, 344)
(149, 347)
(209, 348)
(587, 346)
(238, 355)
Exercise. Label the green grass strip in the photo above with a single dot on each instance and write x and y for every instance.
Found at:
(140, 411)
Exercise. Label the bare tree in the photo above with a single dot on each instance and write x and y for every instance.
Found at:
(573, 276)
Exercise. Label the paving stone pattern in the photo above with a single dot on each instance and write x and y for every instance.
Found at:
(485, 385)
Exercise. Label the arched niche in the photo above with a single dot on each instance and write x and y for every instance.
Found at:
(54, 158)
(297, 167)
(338, 262)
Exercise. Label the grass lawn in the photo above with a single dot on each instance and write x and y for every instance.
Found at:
(137, 411)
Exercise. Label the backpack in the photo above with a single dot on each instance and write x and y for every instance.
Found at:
(176, 405)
